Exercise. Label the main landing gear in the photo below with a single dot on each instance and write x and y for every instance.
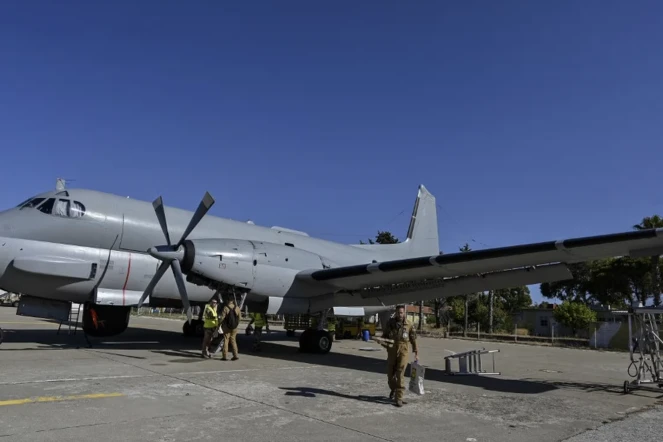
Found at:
(195, 329)
(315, 341)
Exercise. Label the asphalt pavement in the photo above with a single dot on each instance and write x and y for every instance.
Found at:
(151, 384)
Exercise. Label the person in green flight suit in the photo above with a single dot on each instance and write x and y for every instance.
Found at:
(402, 332)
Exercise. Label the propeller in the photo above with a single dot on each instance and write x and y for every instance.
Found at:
(171, 255)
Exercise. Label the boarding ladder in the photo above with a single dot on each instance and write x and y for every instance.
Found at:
(644, 347)
(469, 363)
(72, 322)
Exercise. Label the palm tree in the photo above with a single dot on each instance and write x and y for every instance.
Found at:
(653, 222)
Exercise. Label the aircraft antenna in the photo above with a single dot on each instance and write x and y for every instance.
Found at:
(60, 183)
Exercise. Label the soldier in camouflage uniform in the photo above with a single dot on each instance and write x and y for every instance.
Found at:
(402, 332)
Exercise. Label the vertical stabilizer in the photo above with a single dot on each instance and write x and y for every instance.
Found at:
(422, 238)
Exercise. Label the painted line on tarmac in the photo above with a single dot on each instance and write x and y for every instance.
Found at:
(92, 378)
(41, 399)
(137, 376)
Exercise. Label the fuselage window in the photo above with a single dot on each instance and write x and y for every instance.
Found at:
(33, 203)
(47, 207)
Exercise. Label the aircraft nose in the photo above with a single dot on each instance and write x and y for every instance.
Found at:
(5, 257)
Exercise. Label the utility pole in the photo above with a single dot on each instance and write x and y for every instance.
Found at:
(467, 305)
(421, 315)
(491, 294)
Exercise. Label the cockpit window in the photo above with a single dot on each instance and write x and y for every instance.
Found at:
(19, 205)
(61, 208)
(70, 209)
(47, 207)
(77, 210)
(32, 202)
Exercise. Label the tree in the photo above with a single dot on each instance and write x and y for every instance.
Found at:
(613, 281)
(653, 222)
(514, 299)
(576, 289)
(383, 237)
(575, 315)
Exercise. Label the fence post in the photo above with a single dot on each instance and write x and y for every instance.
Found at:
(515, 332)
(478, 331)
(596, 344)
(552, 334)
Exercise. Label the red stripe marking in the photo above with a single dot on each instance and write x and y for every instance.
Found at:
(124, 288)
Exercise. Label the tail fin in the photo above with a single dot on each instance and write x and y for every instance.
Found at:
(422, 238)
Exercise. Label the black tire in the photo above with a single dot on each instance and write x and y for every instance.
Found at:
(15, 304)
(198, 327)
(320, 342)
(305, 341)
(627, 387)
(187, 329)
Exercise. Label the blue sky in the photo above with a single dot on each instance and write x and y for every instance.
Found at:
(528, 121)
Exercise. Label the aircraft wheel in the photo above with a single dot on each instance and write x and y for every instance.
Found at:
(627, 387)
(305, 341)
(199, 328)
(321, 342)
(187, 329)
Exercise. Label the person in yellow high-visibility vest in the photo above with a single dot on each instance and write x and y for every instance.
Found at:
(331, 327)
(259, 320)
(211, 324)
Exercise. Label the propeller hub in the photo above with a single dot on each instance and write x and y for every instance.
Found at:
(167, 253)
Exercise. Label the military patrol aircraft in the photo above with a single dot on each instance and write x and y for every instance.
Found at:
(110, 253)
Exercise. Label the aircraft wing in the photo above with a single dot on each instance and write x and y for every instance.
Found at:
(467, 272)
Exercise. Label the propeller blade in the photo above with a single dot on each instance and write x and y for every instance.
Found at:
(161, 216)
(202, 209)
(179, 279)
(153, 282)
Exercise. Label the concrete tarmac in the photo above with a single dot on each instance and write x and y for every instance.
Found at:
(150, 384)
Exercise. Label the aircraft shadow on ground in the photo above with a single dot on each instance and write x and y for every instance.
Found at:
(274, 346)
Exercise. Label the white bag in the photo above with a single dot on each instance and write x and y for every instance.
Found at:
(417, 373)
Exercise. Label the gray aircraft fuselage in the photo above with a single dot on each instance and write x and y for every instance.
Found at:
(72, 227)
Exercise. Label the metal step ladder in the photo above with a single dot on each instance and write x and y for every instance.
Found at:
(74, 315)
(469, 363)
(645, 344)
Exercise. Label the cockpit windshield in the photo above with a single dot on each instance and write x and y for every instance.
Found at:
(64, 207)
(32, 202)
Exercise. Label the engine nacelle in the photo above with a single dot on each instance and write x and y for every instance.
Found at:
(264, 268)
